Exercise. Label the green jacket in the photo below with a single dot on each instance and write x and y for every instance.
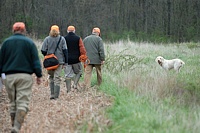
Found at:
(95, 49)
(19, 54)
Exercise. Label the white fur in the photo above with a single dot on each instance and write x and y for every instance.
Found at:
(175, 64)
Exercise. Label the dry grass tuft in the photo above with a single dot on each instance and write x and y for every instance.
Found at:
(122, 61)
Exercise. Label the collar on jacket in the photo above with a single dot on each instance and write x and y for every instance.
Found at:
(71, 33)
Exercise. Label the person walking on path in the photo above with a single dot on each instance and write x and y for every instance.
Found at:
(75, 50)
(48, 47)
(95, 52)
(18, 61)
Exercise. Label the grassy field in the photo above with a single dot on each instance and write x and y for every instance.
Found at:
(148, 99)
(136, 96)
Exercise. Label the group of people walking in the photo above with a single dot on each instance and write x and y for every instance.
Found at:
(19, 59)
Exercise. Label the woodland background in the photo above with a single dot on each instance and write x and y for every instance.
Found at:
(138, 20)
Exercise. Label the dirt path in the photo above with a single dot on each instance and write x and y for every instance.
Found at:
(72, 112)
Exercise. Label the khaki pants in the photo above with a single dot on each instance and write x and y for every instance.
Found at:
(19, 89)
(54, 75)
(88, 74)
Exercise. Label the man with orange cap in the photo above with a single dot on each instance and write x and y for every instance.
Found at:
(55, 43)
(95, 52)
(18, 61)
(75, 50)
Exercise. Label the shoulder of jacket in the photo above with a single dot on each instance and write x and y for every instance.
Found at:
(90, 36)
(48, 37)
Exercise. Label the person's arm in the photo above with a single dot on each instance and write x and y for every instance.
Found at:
(82, 47)
(65, 50)
(2, 58)
(37, 68)
(44, 52)
(44, 47)
(101, 50)
(1, 61)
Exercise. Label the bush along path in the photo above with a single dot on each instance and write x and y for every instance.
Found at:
(76, 111)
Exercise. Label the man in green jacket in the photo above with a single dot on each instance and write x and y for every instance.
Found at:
(95, 51)
(18, 61)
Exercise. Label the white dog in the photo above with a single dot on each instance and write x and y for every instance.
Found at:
(175, 64)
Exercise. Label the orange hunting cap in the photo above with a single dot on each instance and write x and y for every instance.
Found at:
(55, 27)
(19, 26)
(71, 28)
(96, 29)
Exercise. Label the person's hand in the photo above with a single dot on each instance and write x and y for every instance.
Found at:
(102, 62)
(38, 80)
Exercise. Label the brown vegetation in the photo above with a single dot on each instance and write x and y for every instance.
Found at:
(77, 111)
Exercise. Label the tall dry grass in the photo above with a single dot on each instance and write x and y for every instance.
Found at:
(145, 77)
(148, 98)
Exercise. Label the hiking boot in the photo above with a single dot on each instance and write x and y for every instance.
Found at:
(12, 115)
(20, 115)
(51, 84)
(56, 91)
(52, 97)
(68, 84)
(76, 79)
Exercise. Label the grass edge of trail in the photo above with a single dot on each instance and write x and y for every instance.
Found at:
(133, 113)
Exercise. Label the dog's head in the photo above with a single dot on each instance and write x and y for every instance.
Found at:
(159, 60)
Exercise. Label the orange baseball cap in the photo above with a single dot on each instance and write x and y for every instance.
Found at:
(71, 28)
(19, 26)
(96, 29)
(55, 27)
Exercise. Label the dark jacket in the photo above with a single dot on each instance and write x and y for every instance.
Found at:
(19, 54)
(75, 47)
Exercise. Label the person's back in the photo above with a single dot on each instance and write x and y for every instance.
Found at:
(95, 52)
(20, 55)
(75, 50)
(18, 61)
(55, 44)
(72, 41)
(95, 49)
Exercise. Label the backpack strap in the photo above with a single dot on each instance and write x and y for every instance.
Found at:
(57, 44)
